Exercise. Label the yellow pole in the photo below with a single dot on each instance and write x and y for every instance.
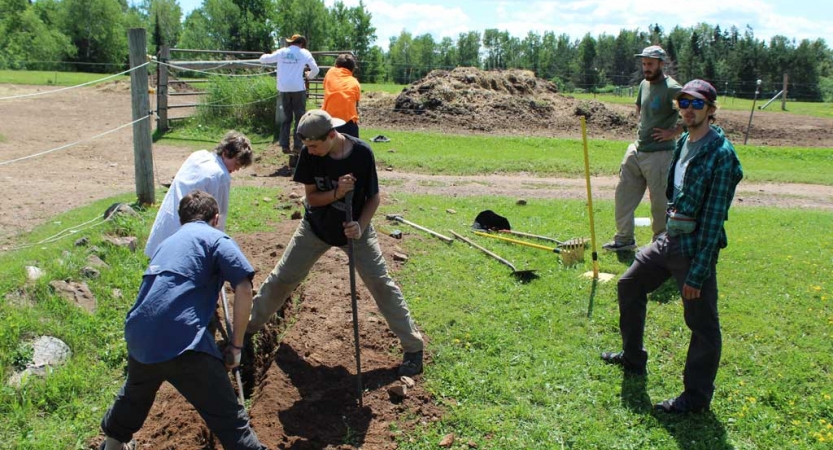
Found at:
(589, 199)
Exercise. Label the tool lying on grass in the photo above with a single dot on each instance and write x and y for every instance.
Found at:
(230, 333)
(522, 275)
(569, 255)
(399, 218)
(570, 243)
(355, 304)
(516, 241)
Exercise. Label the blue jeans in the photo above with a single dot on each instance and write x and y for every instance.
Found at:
(202, 379)
(304, 249)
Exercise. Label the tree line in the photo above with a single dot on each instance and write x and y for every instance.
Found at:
(90, 35)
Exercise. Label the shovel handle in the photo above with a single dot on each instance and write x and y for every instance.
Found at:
(418, 227)
(482, 249)
(530, 235)
(229, 331)
(515, 241)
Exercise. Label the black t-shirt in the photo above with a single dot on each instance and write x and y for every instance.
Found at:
(323, 172)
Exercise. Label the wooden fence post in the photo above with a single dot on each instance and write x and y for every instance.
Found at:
(142, 147)
(162, 89)
(784, 92)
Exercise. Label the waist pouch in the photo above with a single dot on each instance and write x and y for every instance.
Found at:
(678, 223)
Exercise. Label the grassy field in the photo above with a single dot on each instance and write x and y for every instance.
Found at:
(516, 365)
(817, 109)
(35, 77)
(535, 156)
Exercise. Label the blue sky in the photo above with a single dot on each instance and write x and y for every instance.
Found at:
(791, 18)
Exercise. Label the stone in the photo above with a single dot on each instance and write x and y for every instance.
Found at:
(82, 242)
(521, 202)
(76, 293)
(90, 272)
(95, 261)
(400, 257)
(398, 392)
(117, 209)
(294, 195)
(297, 215)
(49, 351)
(451, 211)
(407, 381)
(130, 242)
(447, 440)
(33, 273)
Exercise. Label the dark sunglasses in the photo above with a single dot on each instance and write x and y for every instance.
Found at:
(696, 103)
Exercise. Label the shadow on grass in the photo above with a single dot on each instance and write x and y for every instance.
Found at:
(666, 292)
(696, 431)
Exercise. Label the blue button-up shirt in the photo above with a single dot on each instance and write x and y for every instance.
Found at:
(179, 292)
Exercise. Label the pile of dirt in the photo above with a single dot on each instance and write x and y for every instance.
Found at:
(504, 101)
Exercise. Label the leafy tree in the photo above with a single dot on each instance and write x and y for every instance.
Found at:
(306, 17)
(25, 37)
(587, 74)
(373, 66)
(468, 49)
(96, 29)
(400, 58)
(447, 53)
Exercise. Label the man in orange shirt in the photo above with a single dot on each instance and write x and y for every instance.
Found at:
(342, 93)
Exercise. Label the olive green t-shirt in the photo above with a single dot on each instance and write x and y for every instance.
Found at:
(657, 111)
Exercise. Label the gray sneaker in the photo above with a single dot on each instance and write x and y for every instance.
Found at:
(617, 246)
(411, 364)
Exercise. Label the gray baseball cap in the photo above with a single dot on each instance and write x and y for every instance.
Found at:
(316, 123)
(654, 51)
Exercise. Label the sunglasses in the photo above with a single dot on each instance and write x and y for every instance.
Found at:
(696, 103)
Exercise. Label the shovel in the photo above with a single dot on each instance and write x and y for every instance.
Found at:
(522, 275)
(236, 370)
(516, 241)
(399, 218)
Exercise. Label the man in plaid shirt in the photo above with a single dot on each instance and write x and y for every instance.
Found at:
(701, 184)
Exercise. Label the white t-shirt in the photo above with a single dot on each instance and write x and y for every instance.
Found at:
(290, 62)
(202, 170)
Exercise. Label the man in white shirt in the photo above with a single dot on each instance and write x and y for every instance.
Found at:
(206, 171)
(291, 62)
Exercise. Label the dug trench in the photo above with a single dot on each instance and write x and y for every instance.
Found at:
(305, 391)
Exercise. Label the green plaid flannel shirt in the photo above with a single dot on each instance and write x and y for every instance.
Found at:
(707, 192)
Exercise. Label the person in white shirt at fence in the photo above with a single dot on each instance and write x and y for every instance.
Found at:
(291, 65)
(206, 171)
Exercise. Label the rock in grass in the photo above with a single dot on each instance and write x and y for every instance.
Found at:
(447, 440)
(122, 241)
(77, 294)
(407, 381)
(33, 273)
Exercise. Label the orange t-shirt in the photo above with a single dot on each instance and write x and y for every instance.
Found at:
(341, 94)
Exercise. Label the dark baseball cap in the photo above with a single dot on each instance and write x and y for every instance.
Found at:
(654, 51)
(316, 123)
(699, 89)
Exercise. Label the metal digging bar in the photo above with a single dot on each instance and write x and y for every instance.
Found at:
(354, 302)
(399, 218)
(522, 275)
(230, 332)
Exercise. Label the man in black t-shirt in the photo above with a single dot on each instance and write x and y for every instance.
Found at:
(330, 165)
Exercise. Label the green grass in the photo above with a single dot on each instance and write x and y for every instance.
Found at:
(35, 77)
(388, 88)
(436, 153)
(816, 109)
(515, 365)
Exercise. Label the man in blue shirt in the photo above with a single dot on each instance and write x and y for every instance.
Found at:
(167, 330)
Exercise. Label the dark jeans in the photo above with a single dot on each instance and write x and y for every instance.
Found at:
(651, 267)
(202, 379)
(294, 106)
(351, 128)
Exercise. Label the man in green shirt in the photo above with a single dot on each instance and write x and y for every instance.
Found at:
(646, 161)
